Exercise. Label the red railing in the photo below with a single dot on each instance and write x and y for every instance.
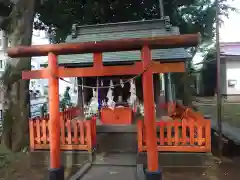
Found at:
(70, 113)
(189, 134)
(186, 113)
(76, 134)
(170, 106)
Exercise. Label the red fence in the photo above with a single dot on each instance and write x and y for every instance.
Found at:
(187, 132)
(185, 136)
(75, 134)
(69, 113)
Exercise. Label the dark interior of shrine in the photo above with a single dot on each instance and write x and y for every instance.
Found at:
(117, 90)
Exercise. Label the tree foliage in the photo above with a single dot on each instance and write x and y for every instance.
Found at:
(209, 72)
(190, 16)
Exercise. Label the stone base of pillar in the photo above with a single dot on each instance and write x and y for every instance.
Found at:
(153, 175)
(56, 174)
(143, 174)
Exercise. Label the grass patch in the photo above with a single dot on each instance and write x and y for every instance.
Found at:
(17, 166)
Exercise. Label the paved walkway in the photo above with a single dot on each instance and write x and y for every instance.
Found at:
(116, 159)
(112, 169)
(110, 173)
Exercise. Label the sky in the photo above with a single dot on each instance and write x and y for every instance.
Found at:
(39, 37)
(229, 32)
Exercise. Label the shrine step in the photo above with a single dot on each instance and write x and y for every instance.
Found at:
(68, 158)
(117, 142)
(116, 129)
(180, 160)
(115, 159)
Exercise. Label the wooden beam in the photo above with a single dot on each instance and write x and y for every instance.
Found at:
(168, 67)
(104, 71)
(172, 41)
(135, 69)
(36, 74)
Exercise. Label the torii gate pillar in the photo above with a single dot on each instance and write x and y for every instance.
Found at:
(56, 171)
(153, 172)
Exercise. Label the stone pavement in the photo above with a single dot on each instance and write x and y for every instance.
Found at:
(110, 173)
(117, 157)
(215, 171)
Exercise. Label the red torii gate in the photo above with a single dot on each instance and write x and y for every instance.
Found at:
(53, 72)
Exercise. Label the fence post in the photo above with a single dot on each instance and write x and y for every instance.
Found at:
(89, 135)
(140, 135)
(31, 133)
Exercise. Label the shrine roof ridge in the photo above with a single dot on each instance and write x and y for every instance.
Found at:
(132, 26)
(120, 30)
(123, 23)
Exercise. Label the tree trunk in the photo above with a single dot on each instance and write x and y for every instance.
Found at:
(157, 89)
(16, 105)
(187, 94)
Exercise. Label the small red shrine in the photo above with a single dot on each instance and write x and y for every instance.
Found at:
(60, 132)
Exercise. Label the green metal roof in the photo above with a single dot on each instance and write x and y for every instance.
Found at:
(113, 31)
